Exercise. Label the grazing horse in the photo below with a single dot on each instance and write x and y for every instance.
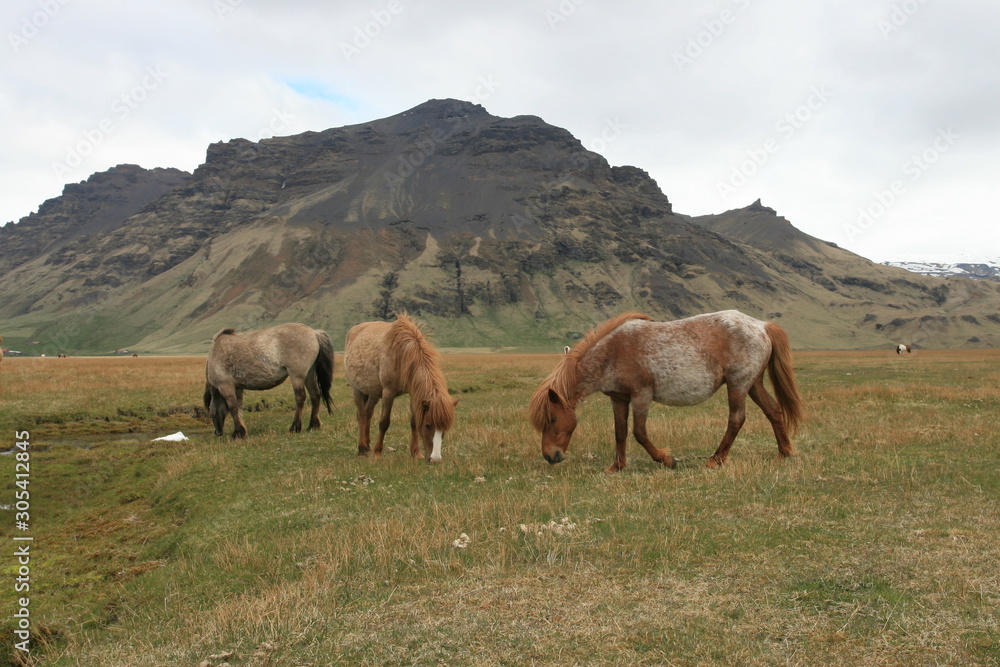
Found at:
(262, 359)
(385, 359)
(902, 347)
(635, 361)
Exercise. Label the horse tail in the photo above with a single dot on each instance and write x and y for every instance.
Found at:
(324, 368)
(779, 367)
(207, 396)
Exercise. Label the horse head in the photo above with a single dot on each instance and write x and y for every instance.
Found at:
(433, 419)
(557, 428)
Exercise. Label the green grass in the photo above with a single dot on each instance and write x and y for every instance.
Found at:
(875, 546)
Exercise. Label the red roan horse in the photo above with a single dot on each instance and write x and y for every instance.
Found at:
(635, 361)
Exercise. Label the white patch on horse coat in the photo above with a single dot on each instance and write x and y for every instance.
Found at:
(680, 356)
(436, 452)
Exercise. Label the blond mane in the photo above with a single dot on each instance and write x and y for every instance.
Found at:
(420, 371)
(562, 380)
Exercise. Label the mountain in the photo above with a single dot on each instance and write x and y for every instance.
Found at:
(93, 207)
(500, 232)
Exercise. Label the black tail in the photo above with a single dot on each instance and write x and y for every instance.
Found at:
(207, 396)
(324, 368)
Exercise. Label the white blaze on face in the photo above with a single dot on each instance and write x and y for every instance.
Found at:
(436, 452)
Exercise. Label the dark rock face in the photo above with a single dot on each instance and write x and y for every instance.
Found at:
(91, 208)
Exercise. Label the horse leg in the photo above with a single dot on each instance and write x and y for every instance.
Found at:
(737, 415)
(365, 408)
(234, 400)
(312, 386)
(774, 415)
(640, 411)
(619, 406)
(384, 421)
(299, 388)
(414, 445)
(218, 410)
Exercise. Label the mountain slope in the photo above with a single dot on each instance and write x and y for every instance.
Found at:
(498, 231)
(882, 300)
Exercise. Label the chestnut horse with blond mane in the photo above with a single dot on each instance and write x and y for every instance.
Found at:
(383, 360)
(635, 361)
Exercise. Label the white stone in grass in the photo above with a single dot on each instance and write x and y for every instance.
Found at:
(173, 437)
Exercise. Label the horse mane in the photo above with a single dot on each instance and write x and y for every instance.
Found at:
(420, 371)
(562, 380)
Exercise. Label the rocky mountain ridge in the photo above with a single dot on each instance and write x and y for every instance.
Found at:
(501, 232)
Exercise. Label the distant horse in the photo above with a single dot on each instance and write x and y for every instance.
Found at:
(385, 359)
(635, 361)
(902, 347)
(262, 359)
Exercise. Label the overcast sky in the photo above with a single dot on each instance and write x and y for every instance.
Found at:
(874, 124)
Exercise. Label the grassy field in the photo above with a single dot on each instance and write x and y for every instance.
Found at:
(878, 545)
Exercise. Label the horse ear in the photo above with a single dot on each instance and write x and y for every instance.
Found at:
(554, 397)
(455, 402)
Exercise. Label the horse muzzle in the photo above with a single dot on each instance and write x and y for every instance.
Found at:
(555, 457)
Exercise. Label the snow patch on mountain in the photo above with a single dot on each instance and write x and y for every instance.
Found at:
(969, 266)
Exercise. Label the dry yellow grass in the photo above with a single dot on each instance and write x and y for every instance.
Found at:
(875, 546)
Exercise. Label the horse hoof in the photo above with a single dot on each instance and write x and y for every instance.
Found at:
(712, 463)
(434, 461)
